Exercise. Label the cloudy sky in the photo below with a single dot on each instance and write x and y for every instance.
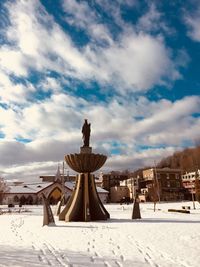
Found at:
(130, 67)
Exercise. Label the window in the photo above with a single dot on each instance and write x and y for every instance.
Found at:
(173, 183)
(177, 176)
(168, 183)
(16, 199)
(167, 175)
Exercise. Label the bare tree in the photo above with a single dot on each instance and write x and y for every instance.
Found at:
(155, 194)
(197, 187)
(185, 160)
(3, 189)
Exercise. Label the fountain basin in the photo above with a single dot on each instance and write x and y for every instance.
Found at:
(85, 162)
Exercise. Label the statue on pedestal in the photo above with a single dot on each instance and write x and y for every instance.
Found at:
(86, 133)
(85, 203)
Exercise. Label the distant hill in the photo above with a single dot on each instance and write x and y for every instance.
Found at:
(186, 160)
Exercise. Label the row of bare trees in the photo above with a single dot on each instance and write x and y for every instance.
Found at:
(187, 160)
(3, 189)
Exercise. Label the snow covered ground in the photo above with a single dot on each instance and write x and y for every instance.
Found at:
(159, 239)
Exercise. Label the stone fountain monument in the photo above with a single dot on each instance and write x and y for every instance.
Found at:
(84, 203)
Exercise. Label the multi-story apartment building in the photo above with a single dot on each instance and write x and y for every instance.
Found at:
(132, 184)
(111, 183)
(168, 182)
(119, 194)
(112, 179)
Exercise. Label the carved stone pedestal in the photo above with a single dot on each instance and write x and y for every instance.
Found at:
(84, 203)
(86, 149)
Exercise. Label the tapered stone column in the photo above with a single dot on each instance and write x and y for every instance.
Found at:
(136, 209)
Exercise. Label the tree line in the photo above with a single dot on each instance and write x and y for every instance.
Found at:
(187, 160)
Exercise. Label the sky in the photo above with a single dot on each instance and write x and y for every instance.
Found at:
(130, 67)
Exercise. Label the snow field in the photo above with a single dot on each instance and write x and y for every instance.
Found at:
(159, 239)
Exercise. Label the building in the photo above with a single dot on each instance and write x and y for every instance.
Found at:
(118, 193)
(120, 185)
(112, 179)
(188, 180)
(169, 183)
(51, 186)
(133, 186)
(31, 193)
(126, 190)
(137, 188)
(111, 183)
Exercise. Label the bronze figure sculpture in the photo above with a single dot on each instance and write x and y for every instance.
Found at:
(86, 133)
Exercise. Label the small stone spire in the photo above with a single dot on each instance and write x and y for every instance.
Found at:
(58, 177)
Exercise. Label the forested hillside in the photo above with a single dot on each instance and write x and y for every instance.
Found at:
(186, 160)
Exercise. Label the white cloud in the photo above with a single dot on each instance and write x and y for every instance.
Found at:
(153, 21)
(51, 84)
(133, 62)
(14, 92)
(51, 117)
(114, 11)
(161, 127)
(9, 122)
(54, 125)
(29, 172)
(81, 15)
(11, 61)
(138, 62)
(130, 62)
(136, 159)
(193, 23)
(126, 61)
(150, 21)
(41, 41)
(61, 116)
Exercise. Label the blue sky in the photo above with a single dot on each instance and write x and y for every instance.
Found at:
(131, 67)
